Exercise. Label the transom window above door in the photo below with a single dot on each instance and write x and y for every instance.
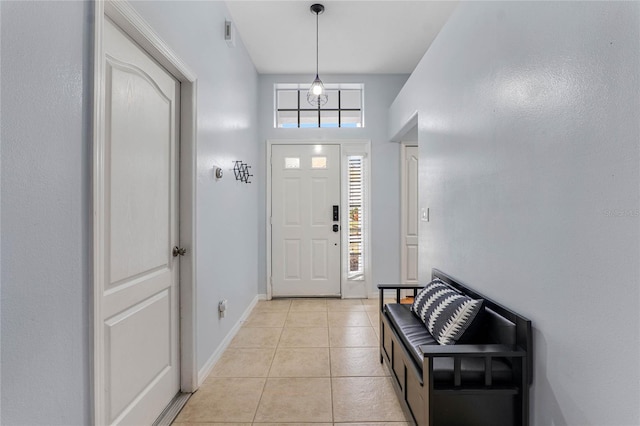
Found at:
(343, 107)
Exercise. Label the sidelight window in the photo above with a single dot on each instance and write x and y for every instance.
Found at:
(355, 196)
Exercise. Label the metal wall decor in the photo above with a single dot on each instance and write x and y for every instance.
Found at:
(241, 170)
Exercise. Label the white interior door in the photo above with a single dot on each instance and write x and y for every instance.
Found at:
(305, 246)
(139, 300)
(409, 200)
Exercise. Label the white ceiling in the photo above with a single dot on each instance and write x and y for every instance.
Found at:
(356, 37)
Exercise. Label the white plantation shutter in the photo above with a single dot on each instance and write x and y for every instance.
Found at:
(356, 216)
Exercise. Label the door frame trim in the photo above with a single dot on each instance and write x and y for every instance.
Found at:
(123, 14)
(346, 147)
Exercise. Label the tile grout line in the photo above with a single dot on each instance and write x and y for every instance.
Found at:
(330, 359)
(275, 351)
(333, 415)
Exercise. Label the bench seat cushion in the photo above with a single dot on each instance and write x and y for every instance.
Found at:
(410, 329)
(413, 334)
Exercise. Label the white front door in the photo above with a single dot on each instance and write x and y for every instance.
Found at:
(409, 201)
(138, 304)
(305, 234)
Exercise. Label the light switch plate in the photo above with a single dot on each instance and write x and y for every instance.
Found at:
(424, 214)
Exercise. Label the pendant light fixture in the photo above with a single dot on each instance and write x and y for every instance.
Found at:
(317, 95)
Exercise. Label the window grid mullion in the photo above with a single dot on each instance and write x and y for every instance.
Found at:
(339, 108)
(299, 110)
(313, 109)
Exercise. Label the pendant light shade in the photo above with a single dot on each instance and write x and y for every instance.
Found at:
(317, 95)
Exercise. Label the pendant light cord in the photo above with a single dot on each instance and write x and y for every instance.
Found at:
(317, 43)
(316, 95)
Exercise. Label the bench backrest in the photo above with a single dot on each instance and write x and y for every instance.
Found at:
(503, 325)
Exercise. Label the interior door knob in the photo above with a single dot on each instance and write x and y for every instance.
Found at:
(179, 251)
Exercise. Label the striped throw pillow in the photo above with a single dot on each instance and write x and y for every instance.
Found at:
(446, 313)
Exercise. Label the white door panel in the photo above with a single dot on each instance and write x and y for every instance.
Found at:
(319, 256)
(139, 303)
(410, 219)
(137, 365)
(292, 260)
(305, 249)
(320, 210)
(291, 201)
(412, 264)
(136, 245)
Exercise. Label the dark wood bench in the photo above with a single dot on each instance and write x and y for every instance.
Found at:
(480, 384)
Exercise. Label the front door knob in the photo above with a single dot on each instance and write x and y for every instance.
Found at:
(179, 251)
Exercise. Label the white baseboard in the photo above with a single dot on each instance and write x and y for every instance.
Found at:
(211, 362)
(390, 294)
(387, 293)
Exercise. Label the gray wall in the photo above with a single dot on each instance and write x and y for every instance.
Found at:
(380, 90)
(227, 210)
(529, 120)
(45, 213)
(46, 203)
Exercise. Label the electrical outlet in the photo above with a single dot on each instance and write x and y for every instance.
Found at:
(222, 308)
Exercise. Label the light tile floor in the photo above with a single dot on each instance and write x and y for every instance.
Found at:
(300, 361)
